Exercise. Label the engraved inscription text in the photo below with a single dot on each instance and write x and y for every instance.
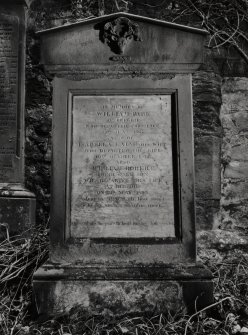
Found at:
(121, 167)
(8, 94)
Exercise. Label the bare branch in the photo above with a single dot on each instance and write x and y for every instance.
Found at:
(225, 20)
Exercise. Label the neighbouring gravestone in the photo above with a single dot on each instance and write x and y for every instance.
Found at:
(123, 216)
(17, 205)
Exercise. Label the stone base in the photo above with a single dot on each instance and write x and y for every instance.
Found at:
(59, 289)
(17, 210)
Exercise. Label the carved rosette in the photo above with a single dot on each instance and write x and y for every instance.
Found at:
(118, 33)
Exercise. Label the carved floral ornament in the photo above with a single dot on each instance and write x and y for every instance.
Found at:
(118, 33)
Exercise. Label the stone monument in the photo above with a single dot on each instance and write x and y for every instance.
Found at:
(123, 215)
(17, 205)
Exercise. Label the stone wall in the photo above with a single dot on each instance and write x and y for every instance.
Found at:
(230, 228)
(38, 130)
(234, 117)
(207, 137)
(220, 142)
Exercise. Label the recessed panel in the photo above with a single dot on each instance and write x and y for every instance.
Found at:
(121, 182)
(9, 45)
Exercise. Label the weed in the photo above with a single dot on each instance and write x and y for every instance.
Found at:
(19, 257)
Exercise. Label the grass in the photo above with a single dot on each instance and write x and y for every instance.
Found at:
(20, 257)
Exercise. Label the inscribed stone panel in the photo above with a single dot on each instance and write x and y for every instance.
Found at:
(9, 28)
(121, 167)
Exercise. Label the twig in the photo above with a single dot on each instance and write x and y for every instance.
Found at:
(229, 38)
(101, 7)
(202, 310)
(226, 21)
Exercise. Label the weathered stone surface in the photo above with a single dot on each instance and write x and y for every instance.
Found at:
(47, 13)
(113, 298)
(228, 62)
(117, 250)
(10, 165)
(240, 152)
(234, 85)
(234, 120)
(61, 54)
(109, 297)
(92, 229)
(234, 113)
(232, 217)
(17, 215)
(207, 213)
(207, 132)
(122, 167)
(17, 204)
(207, 87)
(234, 190)
(11, 106)
(218, 243)
(236, 170)
(206, 116)
(171, 271)
(207, 170)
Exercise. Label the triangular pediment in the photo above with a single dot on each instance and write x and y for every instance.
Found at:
(129, 16)
(124, 38)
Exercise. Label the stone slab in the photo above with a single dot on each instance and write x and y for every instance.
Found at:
(234, 102)
(12, 62)
(207, 214)
(17, 205)
(107, 297)
(234, 192)
(72, 99)
(234, 85)
(207, 167)
(179, 271)
(119, 297)
(236, 170)
(104, 267)
(122, 167)
(82, 46)
(234, 118)
(9, 48)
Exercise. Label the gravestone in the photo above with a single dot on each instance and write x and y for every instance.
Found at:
(17, 205)
(123, 215)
